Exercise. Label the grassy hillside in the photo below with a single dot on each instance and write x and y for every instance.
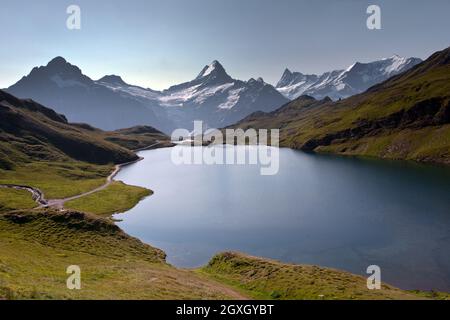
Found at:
(29, 131)
(118, 197)
(11, 199)
(39, 148)
(117, 266)
(405, 117)
(268, 279)
(57, 179)
(113, 264)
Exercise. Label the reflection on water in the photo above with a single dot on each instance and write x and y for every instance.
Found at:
(332, 211)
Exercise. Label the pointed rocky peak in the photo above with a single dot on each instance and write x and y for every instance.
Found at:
(58, 71)
(287, 73)
(57, 62)
(288, 78)
(113, 80)
(213, 70)
(59, 65)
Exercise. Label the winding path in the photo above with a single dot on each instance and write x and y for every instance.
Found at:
(39, 197)
(59, 203)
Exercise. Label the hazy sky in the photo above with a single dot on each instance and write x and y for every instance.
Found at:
(157, 43)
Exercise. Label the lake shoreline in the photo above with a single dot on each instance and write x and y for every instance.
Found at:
(278, 289)
(400, 163)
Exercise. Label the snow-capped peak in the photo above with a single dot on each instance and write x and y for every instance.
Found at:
(213, 68)
(343, 83)
(286, 78)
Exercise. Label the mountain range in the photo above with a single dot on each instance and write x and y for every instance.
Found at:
(64, 88)
(212, 96)
(340, 84)
(404, 117)
(110, 103)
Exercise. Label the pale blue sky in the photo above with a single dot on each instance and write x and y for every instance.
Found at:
(163, 42)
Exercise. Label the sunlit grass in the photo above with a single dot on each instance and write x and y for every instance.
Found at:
(117, 197)
(57, 179)
(269, 279)
(36, 251)
(11, 199)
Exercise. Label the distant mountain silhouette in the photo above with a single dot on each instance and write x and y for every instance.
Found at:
(66, 89)
(340, 84)
(111, 103)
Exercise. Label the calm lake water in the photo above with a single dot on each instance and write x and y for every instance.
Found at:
(331, 211)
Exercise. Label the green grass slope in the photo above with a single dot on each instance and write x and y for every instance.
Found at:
(405, 117)
(38, 246)
(116, 266)
(39, 148)
(11, 199)
(270, 279)
(30, 131)
(117, 197)
(57, 180)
